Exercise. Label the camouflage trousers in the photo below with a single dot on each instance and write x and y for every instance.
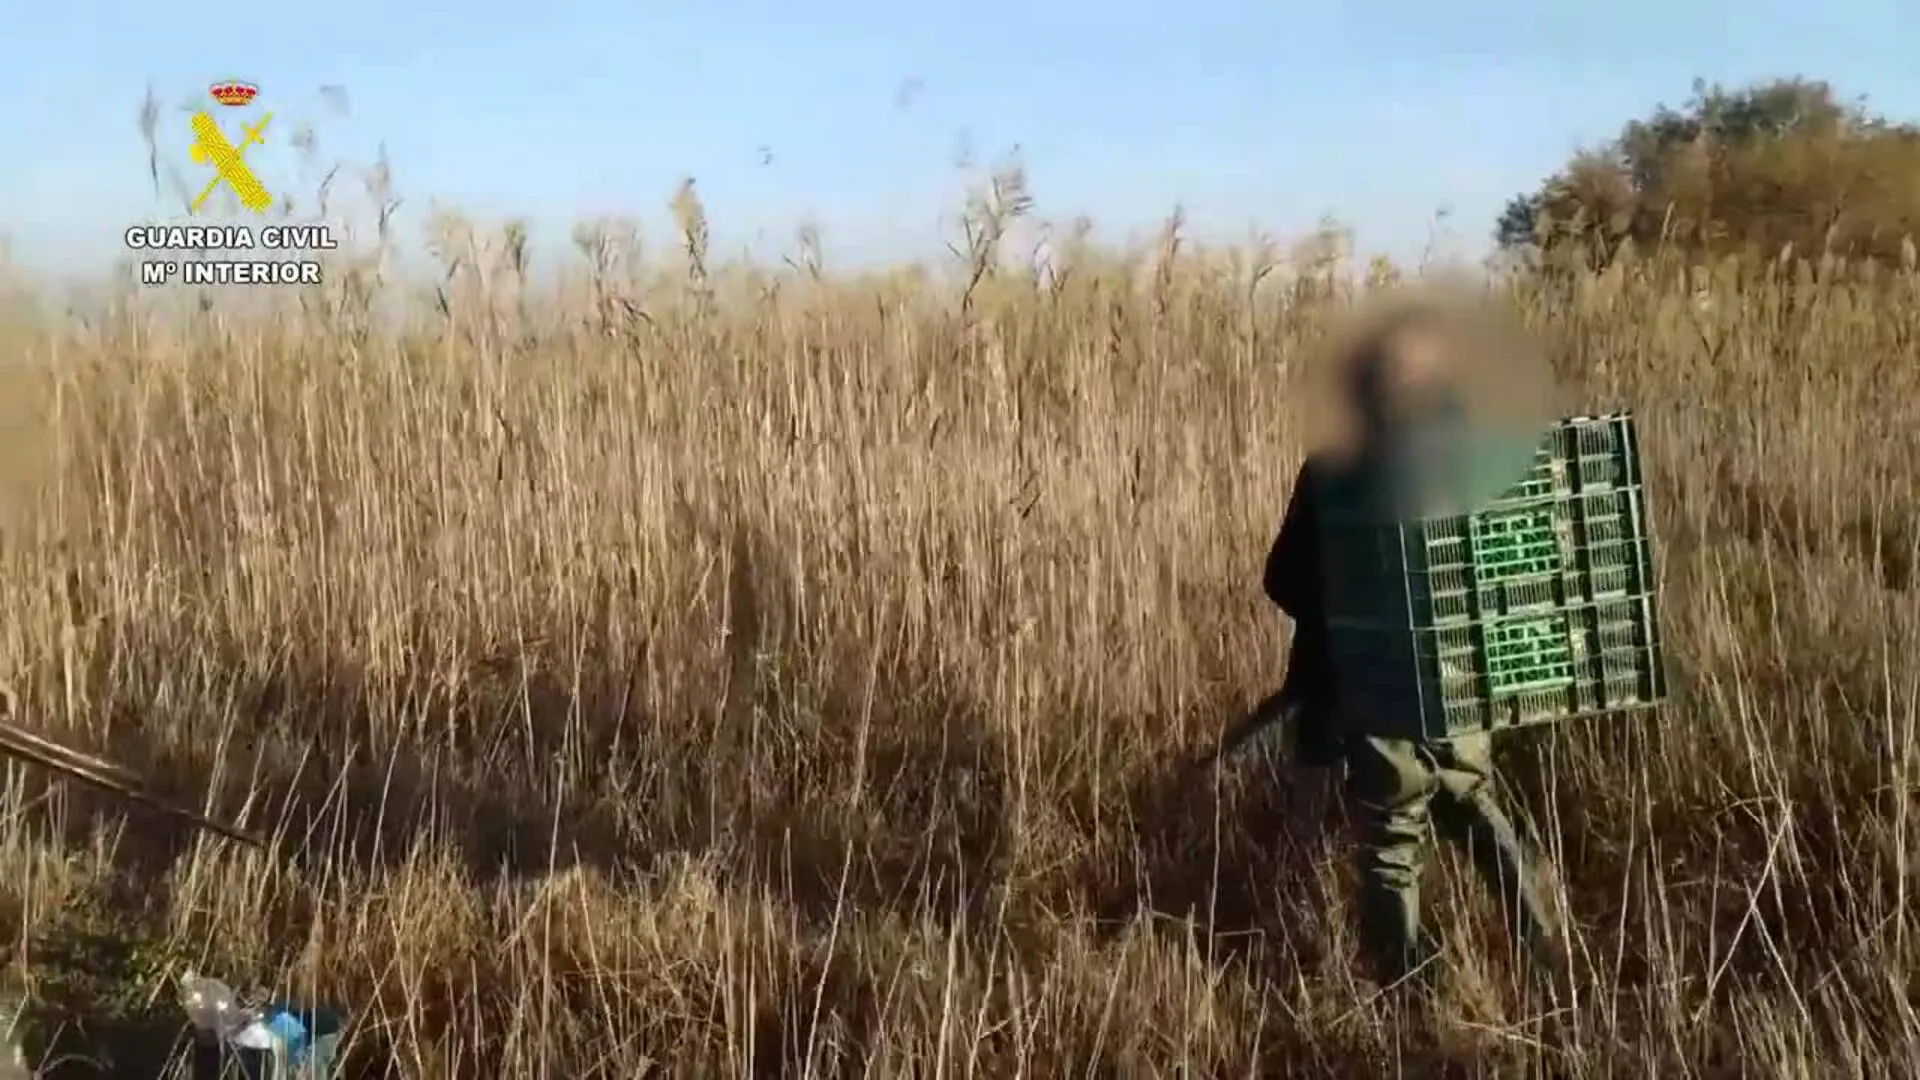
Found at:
(1401, 789)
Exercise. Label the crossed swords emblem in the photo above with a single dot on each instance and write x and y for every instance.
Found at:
(210, 146)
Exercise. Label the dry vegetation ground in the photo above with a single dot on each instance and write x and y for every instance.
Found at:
(780, 676)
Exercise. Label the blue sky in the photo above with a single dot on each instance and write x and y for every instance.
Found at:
(1379, 114)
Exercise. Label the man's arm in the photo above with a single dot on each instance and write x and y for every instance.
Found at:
(1293, 582)
(1292, 577)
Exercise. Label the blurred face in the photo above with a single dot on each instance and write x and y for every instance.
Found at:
(1410, 379)
(1416, 362)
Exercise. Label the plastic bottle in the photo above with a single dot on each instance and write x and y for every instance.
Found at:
(213, 1008)
(277, 1042)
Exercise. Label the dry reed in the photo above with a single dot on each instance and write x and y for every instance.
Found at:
(769, 673)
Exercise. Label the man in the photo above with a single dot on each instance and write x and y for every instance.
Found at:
(1398, 787)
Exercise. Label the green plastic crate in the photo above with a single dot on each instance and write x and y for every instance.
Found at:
(1538, 607)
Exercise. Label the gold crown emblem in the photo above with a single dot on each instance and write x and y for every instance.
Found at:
(233, 93)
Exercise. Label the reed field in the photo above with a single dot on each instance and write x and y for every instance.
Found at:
(702, 670)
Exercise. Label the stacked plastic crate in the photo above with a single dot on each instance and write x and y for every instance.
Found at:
(1537, 607)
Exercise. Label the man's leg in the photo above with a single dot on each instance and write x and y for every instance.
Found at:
(1468, 810)
(1391, 787)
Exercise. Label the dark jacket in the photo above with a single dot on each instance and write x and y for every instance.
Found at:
(1293, 582)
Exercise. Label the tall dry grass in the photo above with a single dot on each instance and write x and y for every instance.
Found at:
(768, 673)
